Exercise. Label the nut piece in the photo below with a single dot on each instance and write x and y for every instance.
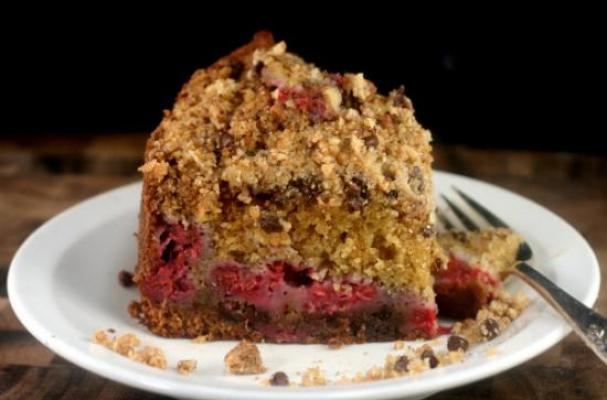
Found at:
(489, 329)
(457, 343)
(186, 367)
(244, 359)
(360, 88)
(279, 379)
(332, 97)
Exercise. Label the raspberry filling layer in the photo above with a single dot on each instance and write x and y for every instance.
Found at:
(462, 289)
(282, 289)
(177, 249)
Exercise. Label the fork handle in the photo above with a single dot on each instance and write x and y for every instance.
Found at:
(587, 323)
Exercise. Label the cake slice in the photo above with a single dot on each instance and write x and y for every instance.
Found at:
(287, 204)
(477, 261)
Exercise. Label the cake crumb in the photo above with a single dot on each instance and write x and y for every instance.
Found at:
(201, 339)
(152, 356)
(101, 337)
(313, 377)
(127, 345)
(493, 319)
(492, 352)
(186, 367)
(335, 344)
(399, 345)
(244, 359)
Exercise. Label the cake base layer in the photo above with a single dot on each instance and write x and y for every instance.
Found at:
(247, 322)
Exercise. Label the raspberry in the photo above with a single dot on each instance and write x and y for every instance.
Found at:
(177, 249)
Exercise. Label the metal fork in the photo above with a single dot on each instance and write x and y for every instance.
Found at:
(590, 326)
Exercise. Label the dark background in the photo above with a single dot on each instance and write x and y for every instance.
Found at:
(498, 78)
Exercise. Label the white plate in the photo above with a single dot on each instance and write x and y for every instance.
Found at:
(63, 286)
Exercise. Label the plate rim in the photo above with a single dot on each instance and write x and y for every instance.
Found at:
(382, 389)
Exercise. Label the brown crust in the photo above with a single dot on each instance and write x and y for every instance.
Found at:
(171, 320)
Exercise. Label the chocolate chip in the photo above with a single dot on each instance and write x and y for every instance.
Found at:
(456, 343)
(236, 68)
(266, 196)
(343, 236)
(427, 231)
(258, 67)
(393, 194)
(354, 202)
(489, 329)
(310, 187)
(371, 141)
(225, 192)
(237, 255)
(111, 330)
(356, 194)
(428, 354)
(401, 364)
(270, 223)
(126, 278)
(433, 361)
(362, 187)
(279, 379)
(260, 145)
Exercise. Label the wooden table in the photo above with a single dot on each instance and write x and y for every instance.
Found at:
(42, 176)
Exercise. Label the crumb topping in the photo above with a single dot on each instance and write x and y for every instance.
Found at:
(201, 339)
(244, 359)
(493, 319)
(313, 377)
(128, 345)
(281, 158)
(186, 367)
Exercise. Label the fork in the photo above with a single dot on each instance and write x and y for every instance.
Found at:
(590, 326)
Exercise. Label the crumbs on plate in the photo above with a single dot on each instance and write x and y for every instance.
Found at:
(129, 345)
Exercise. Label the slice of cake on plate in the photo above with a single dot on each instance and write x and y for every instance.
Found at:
(287, 204)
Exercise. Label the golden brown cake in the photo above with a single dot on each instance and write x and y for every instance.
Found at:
(477, 261)
(287, 204)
